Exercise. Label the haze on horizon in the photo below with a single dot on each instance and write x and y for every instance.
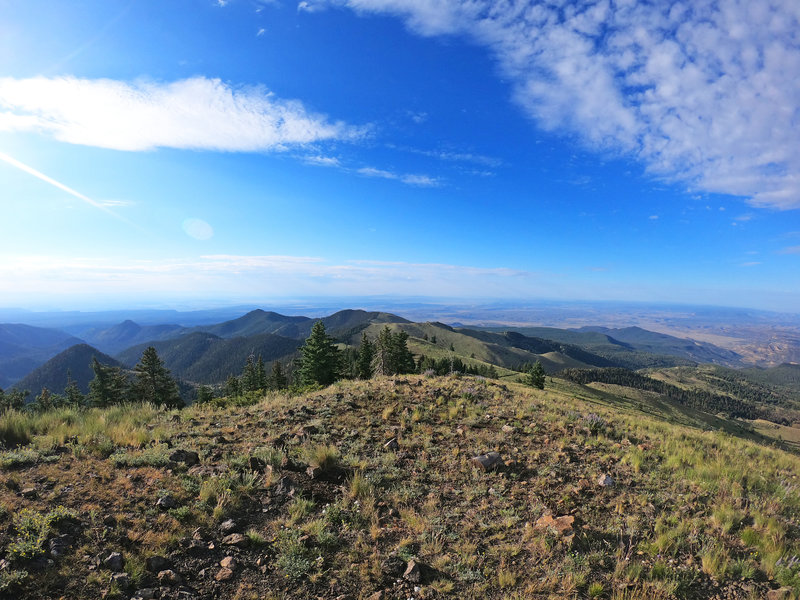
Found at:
(204, 152)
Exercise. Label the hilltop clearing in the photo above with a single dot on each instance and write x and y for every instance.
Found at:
(388, 488)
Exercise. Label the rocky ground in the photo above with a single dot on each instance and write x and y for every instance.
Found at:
(408, 487)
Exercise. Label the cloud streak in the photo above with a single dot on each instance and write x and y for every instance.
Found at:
(195, 114)
(706, 93)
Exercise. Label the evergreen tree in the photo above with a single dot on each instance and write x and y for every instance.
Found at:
(366, 354)
(109, 386)
(153, 381)
(72, 393)
(204, 394)
(392, 356)
(536, 376)
(14, 399)
(319, 358)
(277, 380)
(261, 374)
(233, 386)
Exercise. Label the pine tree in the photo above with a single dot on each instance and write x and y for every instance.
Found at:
(366, 354)
(319, 362)
(392, 356)
(72, 393)
(233, 386)
(204, 394)
(261, 374)
(153, 381)
(109, 386)
(249, 379)
(277, 380)
(536, 376)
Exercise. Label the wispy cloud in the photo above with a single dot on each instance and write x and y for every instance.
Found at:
(249, 276)
(197, 113)
(704, 92)
(790, 250)
(410, 179)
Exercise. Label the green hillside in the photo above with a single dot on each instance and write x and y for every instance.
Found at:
(76, 361)
(205, 358)
(23, 348)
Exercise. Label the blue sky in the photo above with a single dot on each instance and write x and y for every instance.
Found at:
(201, 151)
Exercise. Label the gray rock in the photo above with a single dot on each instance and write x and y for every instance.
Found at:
(235, 539)
(122, 580)
(187, 457)
(60, 545)
(166, 502)
(114, 562)
(488, 462)
(145, 594)
(29, 493)
(413, 572)
(156, 563)
(605, 480)
(228, 526)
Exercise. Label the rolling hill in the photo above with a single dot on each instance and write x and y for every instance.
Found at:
(205, 358)
(75, 361)
(128, 333)
(23, 348)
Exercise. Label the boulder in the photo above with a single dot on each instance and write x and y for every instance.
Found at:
(156, 563)
(187, 457)
(488, 462)
(413, 572)
(605, 480)
(114, 562)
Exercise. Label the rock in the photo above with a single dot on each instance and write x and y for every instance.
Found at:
(220, 439)
(156, 563)
(284, 487)
(314, 472)
(228, 563)
(235, 539)
(488, 462)
(60, 545)
(413, 572)
(562, 525)
(223, 574)
(187, 457)
(228, 526)
(29, 493)
(196, 547)
(145, 594)
(376, 596)
(169, 577)
(109, 521)
(166, 502)
(114, 562)
(783, 593)
(605, 480)
(122, 580)
(393, 566)
(508, 429)
(393, 446)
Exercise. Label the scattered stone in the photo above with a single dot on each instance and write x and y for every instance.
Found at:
(156, 563)
(235, 539)
(29, 493)
(60, 544)
(109, 521)
(228, 526)
(488, 462)
(284, 487)
(166, 502)
(392, 446)
(393, 566)
(508, 429)
(314, 472)
(605, 480)
(783, 593)
(114, 562)
(562, 525)
(228, 563)
(187, 457)
(169, 577)
(145, 594)
(223, 574)
(413, 572)
(122, 580)
(376, 596)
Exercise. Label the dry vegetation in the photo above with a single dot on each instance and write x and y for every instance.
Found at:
(324, 508)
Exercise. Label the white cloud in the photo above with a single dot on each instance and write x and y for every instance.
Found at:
(197, 113)
(261, 32)
(706, 92)
(409, 179)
